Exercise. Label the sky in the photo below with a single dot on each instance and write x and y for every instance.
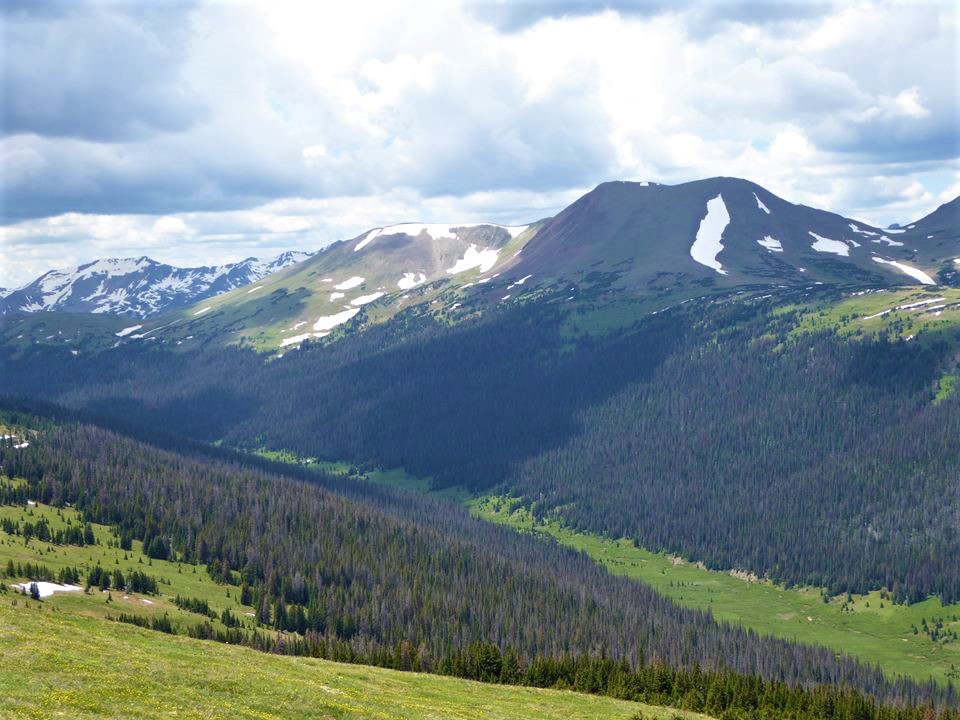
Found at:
(206, 132)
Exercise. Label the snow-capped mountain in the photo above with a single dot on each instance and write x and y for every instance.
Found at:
(137, 287)
(649, 245)
(721, 233)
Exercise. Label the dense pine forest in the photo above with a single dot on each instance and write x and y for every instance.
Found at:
(712, 431)
(410, 582)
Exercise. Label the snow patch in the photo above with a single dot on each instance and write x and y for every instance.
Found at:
(349, 284)
(911, 271)
(707, 245)
(521, 281)
(910, 306)
(826, 245)
(295, 340)
(473, 258)
(127, 330)
(770, 244)
(336, 296)
(411, 280)
(47, 589)
(254, 289)
(514, 230)
(888, 241)
(328, 322)
(366, 240)
(201, 311)
(438, 231)
(862, 232)
(761, 205)
(364, 299)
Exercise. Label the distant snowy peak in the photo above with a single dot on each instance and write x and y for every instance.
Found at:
(137, 287)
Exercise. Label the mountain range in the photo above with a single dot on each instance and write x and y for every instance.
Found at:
(136, 287)
(649, 244)
(653, 241)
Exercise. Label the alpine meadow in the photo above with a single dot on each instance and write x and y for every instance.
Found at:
(480, 359)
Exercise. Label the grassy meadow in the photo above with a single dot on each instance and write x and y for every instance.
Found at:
(64, 664)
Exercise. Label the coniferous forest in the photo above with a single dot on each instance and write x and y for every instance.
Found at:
(712, 431)
(365, 574)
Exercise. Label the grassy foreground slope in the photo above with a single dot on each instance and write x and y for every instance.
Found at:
(57, 664)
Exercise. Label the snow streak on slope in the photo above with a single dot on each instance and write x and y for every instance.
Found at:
(761, 205)
(857, 229)
(888, 241)
(366, 240)
(911, 271)
(127, 330)
(707, 245)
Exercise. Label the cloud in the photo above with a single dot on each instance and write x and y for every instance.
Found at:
(104, 72)
(213, 113)
(32, 247)
(513, 16)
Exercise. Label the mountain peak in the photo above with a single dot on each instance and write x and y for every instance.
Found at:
(138, 286)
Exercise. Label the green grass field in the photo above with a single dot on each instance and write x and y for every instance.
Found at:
(897, 312)
(60, 664)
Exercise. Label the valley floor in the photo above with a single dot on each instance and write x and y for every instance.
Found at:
(867, 626)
